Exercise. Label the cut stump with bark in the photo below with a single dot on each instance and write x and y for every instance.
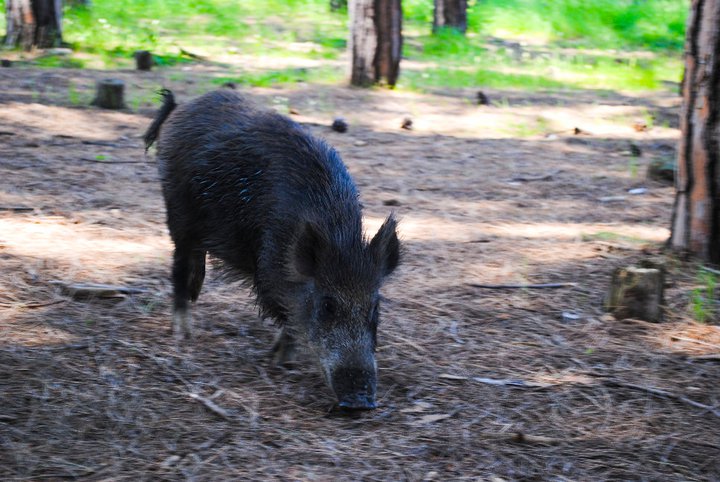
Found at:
(637, 293)
(110, 94)
(143, 60)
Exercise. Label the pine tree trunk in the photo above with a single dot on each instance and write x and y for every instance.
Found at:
(388, 21)
(696, 213)
(375, 41)
(363, 42)
(450, 13)
(33, 23)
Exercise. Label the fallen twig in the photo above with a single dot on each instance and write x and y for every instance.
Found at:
(544, 177)
(523, 286)
(99, 143)
(95, 290)
(16, 209)
(105, 161)
(710, 270)
(190, 54)
(658, 392)
(212, 406)
(510, 382)
(710, 357)
(523, 438)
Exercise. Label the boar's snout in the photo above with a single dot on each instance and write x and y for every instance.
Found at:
(355, 388)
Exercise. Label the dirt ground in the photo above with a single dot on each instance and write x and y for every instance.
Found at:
(474, 384)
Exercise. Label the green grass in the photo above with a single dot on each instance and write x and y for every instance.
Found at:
(282, 77)
(702, 299)
(616, 24)
(521, 44)
(610, 236)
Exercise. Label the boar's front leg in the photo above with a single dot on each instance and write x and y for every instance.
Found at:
(284, 349)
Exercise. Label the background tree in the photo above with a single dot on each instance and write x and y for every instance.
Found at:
(696, 213)
(450, 13)
(33, 23)
(375, 41)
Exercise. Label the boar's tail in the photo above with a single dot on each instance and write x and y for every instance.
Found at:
(168, 105)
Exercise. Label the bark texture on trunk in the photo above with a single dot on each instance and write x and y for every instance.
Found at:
(375, 41)
(388, 21)
(450, 13)
(696, 213)
(33, 23)
(363, 42)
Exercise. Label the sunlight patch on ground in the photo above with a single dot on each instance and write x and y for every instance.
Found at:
(36, 335)
(94, 252)
(575, 230)
(423, 228)
(692, 339)
(54, 120)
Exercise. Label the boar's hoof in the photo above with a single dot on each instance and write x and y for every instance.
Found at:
(358, 401)
(182, 325)
(284, 350)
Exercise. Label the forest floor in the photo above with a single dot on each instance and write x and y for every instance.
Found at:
(473, 383)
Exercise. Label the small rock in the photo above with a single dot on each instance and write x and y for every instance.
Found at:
(611, 199)
(661, 170)
(171, 461)
(391, 202)
(339, 125)
(640, 126)
(360, 143)
(638, 190)
(407, 124)
(567, 316)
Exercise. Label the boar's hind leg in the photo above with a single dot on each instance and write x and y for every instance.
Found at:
(188, 275)
(284, 349)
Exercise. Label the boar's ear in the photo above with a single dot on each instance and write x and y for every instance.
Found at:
(385, 246)
(306, 251)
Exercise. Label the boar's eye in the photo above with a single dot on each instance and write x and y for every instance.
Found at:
(328, 308)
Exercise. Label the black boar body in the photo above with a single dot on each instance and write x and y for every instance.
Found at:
(279, 209)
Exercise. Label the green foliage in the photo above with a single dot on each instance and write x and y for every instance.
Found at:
(610, 236)
(61, 61)
(702, 299)
(283, 76)
(528, 44)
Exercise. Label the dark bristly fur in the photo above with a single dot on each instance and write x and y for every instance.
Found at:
(279, 208)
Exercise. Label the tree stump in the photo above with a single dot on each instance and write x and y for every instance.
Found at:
(110, 94)
(143, 60)
(637, 293)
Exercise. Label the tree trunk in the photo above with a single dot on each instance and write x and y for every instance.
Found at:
(375, 41)
(450, 13)
(33, 23)
(696, 213)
